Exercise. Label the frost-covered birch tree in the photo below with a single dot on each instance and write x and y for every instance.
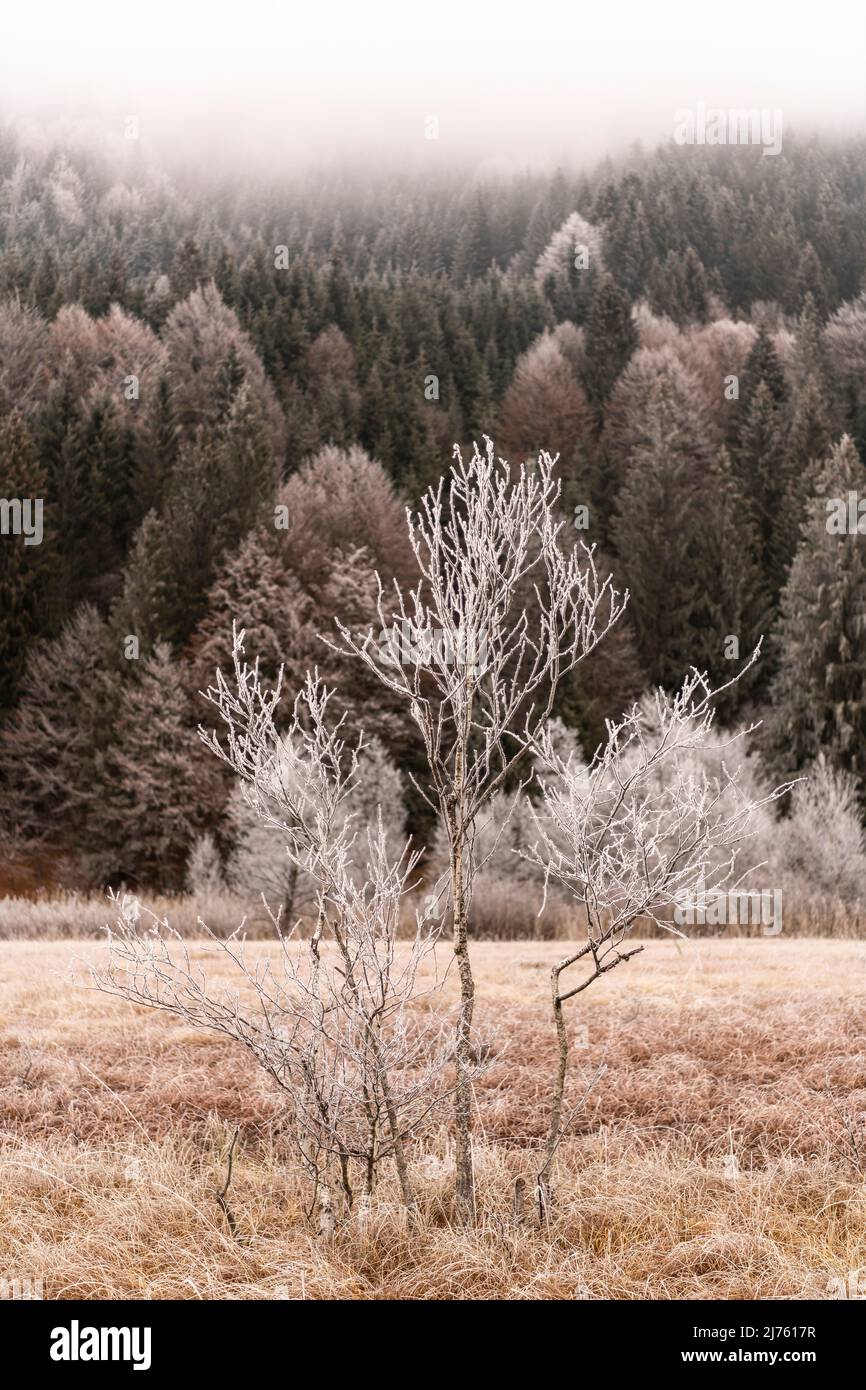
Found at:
(645, 828)
(505, 606)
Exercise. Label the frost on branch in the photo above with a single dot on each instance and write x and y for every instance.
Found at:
(642, 830)
(334, 1021)
(503, 585)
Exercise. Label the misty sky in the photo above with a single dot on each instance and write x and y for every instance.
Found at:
(279, 85)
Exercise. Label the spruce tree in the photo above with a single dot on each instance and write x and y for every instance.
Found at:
(143, 609)
(611, 338)
(658, 530)
(53, 748)
(23, 567)
(730, 600)
(156, 793)
(68, 479)
(254, 590)
(628, 246)
(187, 269)
(818, 696)
(158, 450)
(764, 472)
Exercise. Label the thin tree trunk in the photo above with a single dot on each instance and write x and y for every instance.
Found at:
(399, 1151)
(289, 897)
(402, 1166)
(465, 1190)
(558, 1091)
(465, 1187)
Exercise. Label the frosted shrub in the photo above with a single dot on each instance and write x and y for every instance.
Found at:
(820, 845)
(259, 867)
(204, 870)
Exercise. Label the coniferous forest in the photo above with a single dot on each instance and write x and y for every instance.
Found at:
(228, 392)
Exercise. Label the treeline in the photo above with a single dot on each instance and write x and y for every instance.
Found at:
(226, 395)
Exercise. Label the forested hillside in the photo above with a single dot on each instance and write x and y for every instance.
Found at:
(226, 395)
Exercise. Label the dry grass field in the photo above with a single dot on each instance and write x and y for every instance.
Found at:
(721, 1155)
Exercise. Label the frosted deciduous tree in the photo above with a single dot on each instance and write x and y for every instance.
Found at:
(23, 340)
(258, 868)
(545, 406)
(482, 677)
(641, 829)
(818, 851)
(342, 499)
(99, 354)
(200, 336)
(627, 426)
(204, 867)
(258, 864)
(334, 1021)
(333, 386)
(505, 885)
(569, 266)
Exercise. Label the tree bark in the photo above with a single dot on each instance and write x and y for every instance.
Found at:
(456, 820)
(558, 1092)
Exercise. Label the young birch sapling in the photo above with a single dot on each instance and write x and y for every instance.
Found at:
(334, 1020)
(640, 830)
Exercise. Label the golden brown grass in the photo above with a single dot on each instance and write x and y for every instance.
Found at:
(713, 1159)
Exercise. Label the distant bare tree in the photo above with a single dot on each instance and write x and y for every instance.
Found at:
(545, 402)
(258, 865)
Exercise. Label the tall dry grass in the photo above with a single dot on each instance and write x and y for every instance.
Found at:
(714, 1158)
(500, 912)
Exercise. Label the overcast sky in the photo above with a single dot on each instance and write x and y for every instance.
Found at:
(509, 83)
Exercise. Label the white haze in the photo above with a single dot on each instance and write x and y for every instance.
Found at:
(272, 86)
